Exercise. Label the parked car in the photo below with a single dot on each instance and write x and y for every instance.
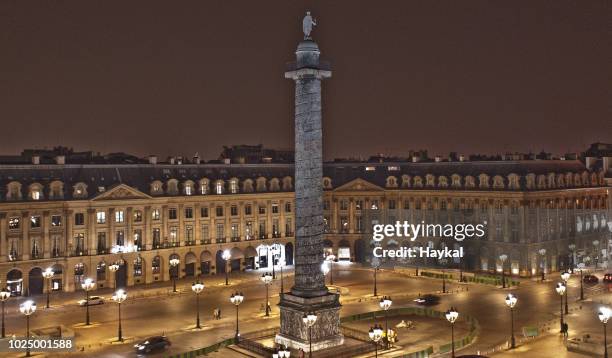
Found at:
(427, 300)
(93, 300)
(152, 343)
(607, 278)
(590, 279)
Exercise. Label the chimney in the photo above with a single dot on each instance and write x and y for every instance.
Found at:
(36, 159)
(60, 160)
(438, 159)
(462, 158)
(196, 159)
(227, 160)
(590, 162)
(171, 160)
(153, 159)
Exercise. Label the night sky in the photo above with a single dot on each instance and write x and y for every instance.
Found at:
(176, 77)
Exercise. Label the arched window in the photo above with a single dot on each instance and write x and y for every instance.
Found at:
(261, 184)
(188, 188)
(156, 265)
(274, 184)
(327, 183)
(138, 266)
(36, 191)
(442, 182)
(173, 187)
(233, 186)
(219, 187)
(203, 187)
(56, 190)
(13, 191)
(287, 184)
(391, 182)
(80, 191)
(247, 186)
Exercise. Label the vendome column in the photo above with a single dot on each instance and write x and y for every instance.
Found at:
(309, 294)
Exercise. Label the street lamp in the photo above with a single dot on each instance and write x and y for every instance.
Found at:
(226, 256)
(580, 267)
(5, 294)
(197, 287)
(114, 268)
(542, 252)
(443, 262)
(236, 299)
(284, 352)
(309, 320)
(376, 265)
(561, 291)
(451, 316)
(604, 315)
(281, 263)
(27, 308)
(87, 285)
(385, 304)
(48, 275)
(375, 334)
(266, 278)
(174, 263)
(119, 296)
(565, 277)
(330, 258)
(503, 259)
(511, 302)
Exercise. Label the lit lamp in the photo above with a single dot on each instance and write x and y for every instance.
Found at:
(174, 263)
(284, 353)
(27, 308)
(565, 276)
(114, 268)
(236, 299)
(561, 291)
(5, 294)
(87, 286)
(580, 267)
(226, 256)
(330, 258)
(309, 320)
(119, 296)
(375, 334)
(197, 287)
(511, 302)
(451, 316)
(48, 275)
(266, 278)
(385, 303)
(604, 315)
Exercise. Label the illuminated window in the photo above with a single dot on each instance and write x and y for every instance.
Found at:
(101, 217)
(119, 216)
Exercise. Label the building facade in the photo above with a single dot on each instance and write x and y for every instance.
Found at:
(80, 219)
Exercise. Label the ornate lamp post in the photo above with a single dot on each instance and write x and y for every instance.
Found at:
(266, 278)
(48, 275)
(197, 287)
(5, 294)
(330, 258)
(375, 334)
(281, 263)
(27, 308)
(542, 253)
(580, 267)
(309, 320)
(604, 315)
(87, 286)
(226, 256)
(236, 299)
(174, 263)
(376, 265)
(119, 296)
(565, 277)
(561, 291)
(511, 302)
(114, 268)
(385, 303)
(451, 316)
(503, 259)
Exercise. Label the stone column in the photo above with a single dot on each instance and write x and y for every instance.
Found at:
(25, 237)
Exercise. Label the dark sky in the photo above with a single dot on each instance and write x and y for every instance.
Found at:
(183, 76)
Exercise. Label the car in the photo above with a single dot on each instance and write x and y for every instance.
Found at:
(427, 300)
(590, 279)
(152, 343)
(607, 278)
(93, 300)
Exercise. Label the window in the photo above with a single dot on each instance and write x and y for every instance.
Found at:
(205, 233)
(156, 238)
(262, 210)
(374, 205)
(155, 214)
(138, 239)
(79, 219)
(79, 244)
(188, 213)
(234, 186)
(56, 220)
(325, 204)
(220, 232)
(288, 207)
(172, 214)
(35, 253)
(101, 249)
(248, 230)
(138, 266)
(14, 223)
(326, 224)
(344, 224)
(204, 187)
(343, 204)
(219, 187)
(35, 194)
(359, 223)
(406, 204)
(189, 234)
(234, 210)
(204, 212)
(219, 211)
(156, 265)
(358, 204)
(392, 204)
(137, 216)
(443, 205)
(188, 189)
(274, 208)
(235, 231)
(173, 236)
(288, 227)
(120, 238)
(101, 217)
(275, 229)
(101, 271)
(119, 216)
(248, 209)
(262, 229)
(35, 222)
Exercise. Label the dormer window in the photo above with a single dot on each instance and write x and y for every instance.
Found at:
(80, 191)
(156, 188)
(234, 186)
(219, 187)
(203, 187)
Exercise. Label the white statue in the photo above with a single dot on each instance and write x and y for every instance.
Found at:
(307, 24)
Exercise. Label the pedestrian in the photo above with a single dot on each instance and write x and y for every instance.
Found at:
(219, 313)
(301, 353)
(215, 314)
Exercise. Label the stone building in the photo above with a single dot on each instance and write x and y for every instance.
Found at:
(81, 218)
